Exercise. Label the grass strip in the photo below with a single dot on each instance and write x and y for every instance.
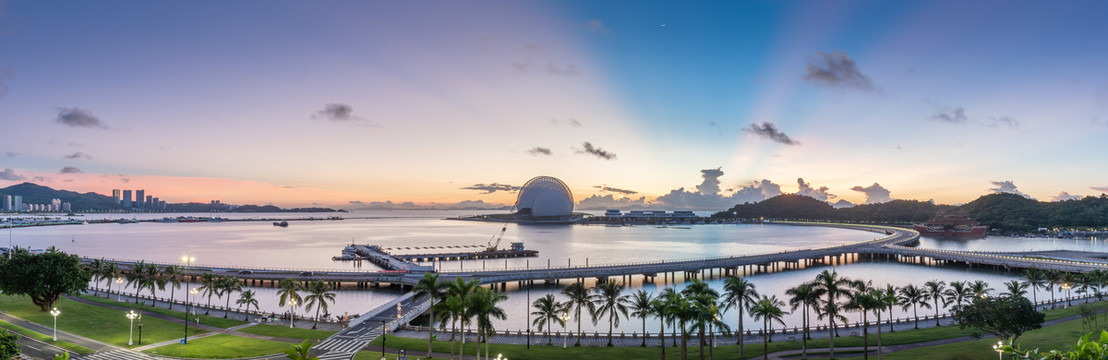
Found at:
(222, 346)
(46, 338)
(286, 332)
(204, 319)
(96, 322)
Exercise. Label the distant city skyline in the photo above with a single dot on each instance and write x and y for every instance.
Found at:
(359, 104)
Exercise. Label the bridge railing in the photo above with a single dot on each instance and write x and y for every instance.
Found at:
(202, 267)
(982, 255)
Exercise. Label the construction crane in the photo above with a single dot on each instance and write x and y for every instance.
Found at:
(493, 246)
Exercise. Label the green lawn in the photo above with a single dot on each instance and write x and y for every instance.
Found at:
(46, 338)
(222, 346)
(1052, 337)
(94, 322)
(218, 322)
(286, 332)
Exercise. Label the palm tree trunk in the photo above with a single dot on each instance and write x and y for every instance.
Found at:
(610, 328)
(662, 336)
(153, 298)
(227, 307)
(891, 319)
(700, 340)
(765, 339)
(916, 315)
(314, 323)
(865, 335)
(644, 331)
(739, 336)
(937, 312)
(879, 335)
(173, 291)
(804, 334)
(453, 331)
(831, 337)
(684, 342)
(578, 343)
(210, 306)
(431, 328)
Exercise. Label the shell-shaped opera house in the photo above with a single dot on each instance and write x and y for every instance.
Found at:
(544, 196)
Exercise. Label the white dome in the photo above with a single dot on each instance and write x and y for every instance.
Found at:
(544, 196)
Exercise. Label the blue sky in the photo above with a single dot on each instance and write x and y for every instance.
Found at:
(330, 103)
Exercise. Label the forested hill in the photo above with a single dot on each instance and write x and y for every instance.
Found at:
(1002, 211)
(38, 194)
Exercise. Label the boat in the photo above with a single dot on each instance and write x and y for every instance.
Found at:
(281, 223)
(953, 224)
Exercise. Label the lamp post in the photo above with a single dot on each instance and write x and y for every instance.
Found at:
(385, 330)
(131, 315)
(188, 264)
(565, 317)
(1066, 287)
(999, 351)
(55, 313)
(292, 304)
(194, 291)
(119, 281)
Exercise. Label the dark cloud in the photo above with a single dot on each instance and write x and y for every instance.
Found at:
(596, 26)
(70, 170)
(124, 178)
(950, 115)
(78, 155)
(769, 131)
(806, 189)
(571, 122)
(875, 194)
(336, 112)
(837, 70)
(597, 202)
(1007, 187)
(1063, 196)
(600, 153)
(615, 190)
(11, 154)
(1005, 121)
(709, 197)
(710, 185)
(540, 151)
(75, 117)
(491, 188)
(1103, 189)
(10, 175)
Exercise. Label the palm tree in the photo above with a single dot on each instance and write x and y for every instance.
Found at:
(134, 278)
(767, 309)
(430, 286)
(319, 294)
(229, 286)
(1015, 288)
(1034, 278)
(150, 277)
(1067, 284)
(935, 291)
(246, 298)
(546, 314)
(958, 293)
(110, 273)
(1053, 278)
(209, 286)
(803, 296)
(462, 289)
(830, 284)
(289, 293)
(300, 351)
(96, 268)
(173, 275)
(738, 293)
(913, 296)
(484, 307)
(890, 299)
(865, 300)
(980, 288)
(455, 309)
(662, 308)
(703, 297)
(578, 298)
(683, 310)
(642, 306)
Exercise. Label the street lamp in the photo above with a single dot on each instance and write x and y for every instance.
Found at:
(565, 338)
(500, 357)
(292, 304)
(188, 264)
(119, 281)
(1066, 287)
(55, 313)
(131, 315)
(999, 351)
(385, 330)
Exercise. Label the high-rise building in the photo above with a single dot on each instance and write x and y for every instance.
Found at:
(18, 206)
(67, 207)
(155, 204)
(126, 198)
(149, 203)
(55, 205)
(115, 196)
(7, 203)
(140, 198)
(162, 204)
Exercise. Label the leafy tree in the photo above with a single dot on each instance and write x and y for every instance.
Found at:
(62, 356)
(319, 294)
(9, 348)
(546, 315)
(739, 293)
(431, 286)
(1085, 349)
(300, 351)
(642, 306)
(1006, 317)
(578, 298)
(43, 277)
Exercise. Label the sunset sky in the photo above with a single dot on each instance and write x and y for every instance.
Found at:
(347, 103)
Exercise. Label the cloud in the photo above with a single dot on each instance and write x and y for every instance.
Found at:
(806, 189)
(1005, 121)
(11, 154)
(124, 178)
(595, 26)
(536, 56)
(875, 194)
(70, 170)
(1063, 196)
(710, 185)
(600, 153)
(540, 151)
(709, 197)
(76, 117)
(597, 202)
(1007, 187)
(408, 205)
(1103, 189)
(769, 131)
(950, 115)
(41, 179)
(571, 122)
(837, 70)
(344, 113)
(491, 188)
(78, 155)
(616, 190)
(10, 175)
(566, 70)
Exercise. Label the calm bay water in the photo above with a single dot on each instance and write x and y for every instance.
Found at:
(311, 244)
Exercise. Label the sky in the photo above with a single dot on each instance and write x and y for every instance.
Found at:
(656, 104)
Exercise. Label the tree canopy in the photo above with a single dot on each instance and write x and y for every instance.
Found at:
(43, 277)
(9, 348)
(1006, 317)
